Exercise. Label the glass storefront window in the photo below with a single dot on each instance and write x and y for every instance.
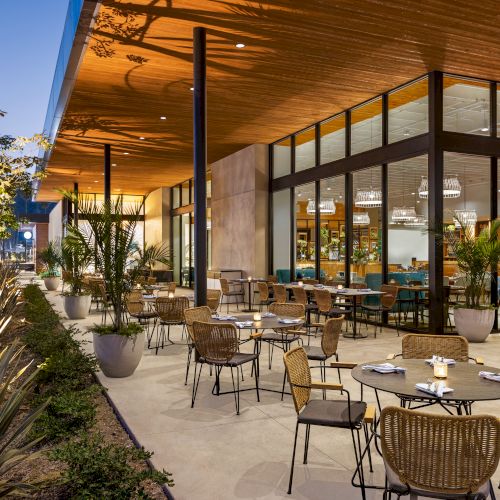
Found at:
(185, 257)
(305, 149)
(366, 126)
(281, 235)
(282, 158)
(332, 231)
(305, 234)
(466, 105)
(332, 134)
(176, 247)
(409, 111)
(176, 197)
(185, 193)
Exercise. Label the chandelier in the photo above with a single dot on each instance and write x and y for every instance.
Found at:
(451, 187)
(368, 198)
(360, 218)
(403, 214)
(419, 220)
(468, 217)
(325, 207)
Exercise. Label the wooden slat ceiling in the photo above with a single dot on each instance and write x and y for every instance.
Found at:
(303, 61)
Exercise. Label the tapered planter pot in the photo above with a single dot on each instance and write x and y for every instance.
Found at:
(76, 306)
(118, 356)
(474, 324)
(52, 283)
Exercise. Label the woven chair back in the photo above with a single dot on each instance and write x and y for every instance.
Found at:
(279, 293)
(215, 342)
(151, 280)
(170, 287)
(331, 334)
(272, 279)
(300, 295)
(134, 302)
(299, 376)
(224, 285)
(213, 298)
(202, 313)
(171, 309)
(323, 300)
(390, 295)
(263, 290)
(289, 309)
(420, 346)
(358, 286)
(443, 454)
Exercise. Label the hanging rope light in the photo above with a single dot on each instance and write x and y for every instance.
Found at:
(368, 198)
(325, 206)
(360, 218)
(403, 214)
(467, 217)
(418, 221)
(451, 187)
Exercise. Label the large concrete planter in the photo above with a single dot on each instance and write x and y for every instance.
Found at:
(118, 356)
(474, 324)
(51, 284)
(76, 306)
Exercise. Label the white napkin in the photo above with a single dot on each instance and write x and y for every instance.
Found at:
(385, 368)
(435, 389)
(434, 358)
(364, 289)
(268, 315)
(490, 376)
(342, 290)
(148, 296)
(243, 324)
(224, 318)
(289, 321)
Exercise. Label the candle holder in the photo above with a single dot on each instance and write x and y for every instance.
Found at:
(170, 295)
(257, 316)
(340, 287)
(440, 368)
(249, 278)
(300, 283)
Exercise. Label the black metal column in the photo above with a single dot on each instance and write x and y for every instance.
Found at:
(200, 164)
(494, 193)
(436, 168)
(317, 213)
(348, 203)
(107, 172)
(75, 204)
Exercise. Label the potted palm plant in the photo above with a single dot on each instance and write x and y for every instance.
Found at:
(151, 254)
(109, 236)
(476, 256)
(50, 258)
(75, 258)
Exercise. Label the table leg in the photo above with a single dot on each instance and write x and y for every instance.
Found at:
(250, 309)
(355, 334)
(415, 319)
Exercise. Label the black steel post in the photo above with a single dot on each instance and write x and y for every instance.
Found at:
(317, 229)
(494, 193)
(107, 173)
(348, 203)
(75, 204)
(436, 170)
(385, 200)
(200, 164)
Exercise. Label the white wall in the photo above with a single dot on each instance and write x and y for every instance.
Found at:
(404, 244)
(157, 219)
(55, 223)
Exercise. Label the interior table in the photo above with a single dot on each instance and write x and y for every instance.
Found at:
(463, 378)
(250, 282)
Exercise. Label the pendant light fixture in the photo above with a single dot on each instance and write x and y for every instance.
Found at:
(465, 216)
(451, 187)
(403, 214)
(326, 207)
(360, 218)
(368, 198)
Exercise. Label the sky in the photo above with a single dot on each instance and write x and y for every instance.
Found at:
(30, 34)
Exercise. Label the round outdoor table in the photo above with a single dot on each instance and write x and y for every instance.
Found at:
(463, 378)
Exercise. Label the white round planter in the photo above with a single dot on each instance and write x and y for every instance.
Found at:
(474, 324)
(76, 306)
(52, 284)
(118, 356)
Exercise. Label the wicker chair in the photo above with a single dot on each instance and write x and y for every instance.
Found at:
(387, 302)
(300, 297)
(325, 306)
(279, 292)
(135, 308)
(95, 292)
(271, 278)
(347, 414)
(170, 312)
(213, 299)
(170, 287)
(227, 292)
(264, 298)
(217, 345)
(151, 280)
(104, 300)
(66, 277)
(203, 314)
(439, 456)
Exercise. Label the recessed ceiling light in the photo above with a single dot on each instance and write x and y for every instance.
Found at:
(125, 153)
(191, 89)
(113, 165)
(484, 129)
(102, 174)
(117, 189)
(299, 194)
(340, 196)
(240, 45)
(412, 193)
(163, 117)
(328, 189)
(96, 181)
(418, 201)
(141, 138)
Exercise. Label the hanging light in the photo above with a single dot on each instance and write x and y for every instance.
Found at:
(451, 187)
(325, 206)
(360, 218)
(403, 214)
(368, 198)
(468, 217)
(418, 221)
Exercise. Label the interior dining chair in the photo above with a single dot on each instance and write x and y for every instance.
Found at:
(264, 298)
(217, 345)
(235, 293)
(213, 299)
(135, 309)
(300, 297)
(341, 413)
(327, 307)
(279, 293)
(439, 456)
(202, 314)
(386, 305)
(170, 312)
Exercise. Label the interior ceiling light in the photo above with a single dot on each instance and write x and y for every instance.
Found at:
(368, 198)
(191, 89)
(325, 207)
(163, 117)
(360, 218)
(419, 220)
(113, 165)
(403, 214)
(468, 217)
(141, 138)
(125, 153)
(485, 126)
(96, 181)
(451, 187)
(240, 45)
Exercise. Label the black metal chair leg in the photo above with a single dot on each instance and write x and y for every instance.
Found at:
(306, 444)
(293, 459)
(195, 383)
(256, 371)
(190, 349)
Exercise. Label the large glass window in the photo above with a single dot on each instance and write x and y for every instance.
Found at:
(305, 149)
(176, 197)
(305, 237)
(409, 111)
(282, 158)
(186, 251)
(185, 193)
(281, 235)
(366, 126)
(176, 247)
(366, 266)
(332, 134)
(466, 105)
(332, 231)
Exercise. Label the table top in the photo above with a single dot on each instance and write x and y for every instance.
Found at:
(263, 324)
(350, 292)
(425, 288)
(462, 377)
(246, 280)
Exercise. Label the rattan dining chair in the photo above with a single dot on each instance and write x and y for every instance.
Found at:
(264, 298)
(326, 307)
(387, 303)
(203, 314)
(135, 308)
(213, 299)
(105, 302)
(300, 297)
(439, 456)
(279, 292)
(217, 345)
(237, 294)
(170, 312)
(342, 413)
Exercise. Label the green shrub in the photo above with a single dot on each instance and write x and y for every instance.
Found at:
(97, 470)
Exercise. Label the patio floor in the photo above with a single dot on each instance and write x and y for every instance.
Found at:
(215, 454)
